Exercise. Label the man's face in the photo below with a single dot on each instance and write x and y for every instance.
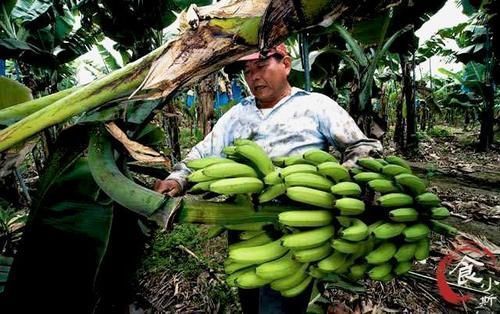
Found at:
(267, 78)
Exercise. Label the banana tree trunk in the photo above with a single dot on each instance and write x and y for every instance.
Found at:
(206, 104)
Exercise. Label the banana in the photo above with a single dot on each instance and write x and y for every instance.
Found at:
(389, 230)
(428, 200)
(310, 196)
(347, 247)
(243, 141)
(344, 268)
(310, 180)
(405, 214)
(198, 176)
(295, 291)
(346, 189)
(411, 182)
(374, 225)
(382, 161)
(355, 170)
(423, 249)
(201, 187)
(357, 231)
(370, 164)
(387, 278)
(258, 156)
(249, 226)
(237, 186)
(394, 170)
(416, 232)
(231, 279)
(440, 213)
(260, 239)
(231, 267)
(291, 281)
(405, 252)
(383, 186)
(250, 280)
(308, 239)
(258, 254)
(380, 271)
(297, 160)
(201, 163)
(279, 161)
(334, 171)
(397, 161)
(333, 262)
(313, 254)
(365, 177)
(229, 150)
(443, 228)
(318, 156)
(317, 273)
(358, 271)
(272, 192)
(248, 234)
(300, 168)
(402, 268)
(395, 200)
(383, 253)
(229, 170)
(350, 206)
(305, 218)
(273, 178)
(282, 267)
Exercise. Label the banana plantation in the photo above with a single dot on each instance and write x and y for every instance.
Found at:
(111, 202)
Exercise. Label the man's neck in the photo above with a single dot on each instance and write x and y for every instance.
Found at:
(270, 104)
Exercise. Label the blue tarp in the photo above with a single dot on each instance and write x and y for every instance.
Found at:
(2, 67)
(221, 98)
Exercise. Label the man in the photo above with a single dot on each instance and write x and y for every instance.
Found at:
(285, 121)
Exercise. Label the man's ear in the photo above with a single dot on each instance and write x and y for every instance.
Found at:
(287, 61)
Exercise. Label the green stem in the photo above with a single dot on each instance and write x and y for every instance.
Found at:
(17, 112)
(122, 81)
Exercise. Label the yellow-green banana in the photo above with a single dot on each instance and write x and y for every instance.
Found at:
(272, 192)
(300, 168)
(347, 247)
(257, 156)
(201, 187)
(237, 186)
(273, 177)
(231, 267)
(313, 254)
(365, 177)
(346, 189)
(402, 268)
(370, 164)
(356, 231)
(383, 186)
(394, 170)
(305, 218)
(258, 254)
(297, 160)
(201, 163)
(350, 206)
(334, 171)
(397, 161)
(282, 267)
(358, 271)
(428, 200)
(405, 252)
(388, 230)
(318, 156)
(405, 214)
(333, 262)
(229, 170)
(416, 232)
(310, 180)
(440, 213)
(393, 200)
(423, 249)
(198, 176)
(291, 281)
(412, 183)
(310, 196)
(378, 272)
(384, 252)
(260, 239)
(250, 280)
(308, 239)
(295, 291)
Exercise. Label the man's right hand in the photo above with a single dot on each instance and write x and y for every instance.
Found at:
(169, 187)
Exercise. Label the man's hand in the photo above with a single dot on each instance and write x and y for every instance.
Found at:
(169, 187)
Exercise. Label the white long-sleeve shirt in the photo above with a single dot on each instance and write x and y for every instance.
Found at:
(298, 122)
